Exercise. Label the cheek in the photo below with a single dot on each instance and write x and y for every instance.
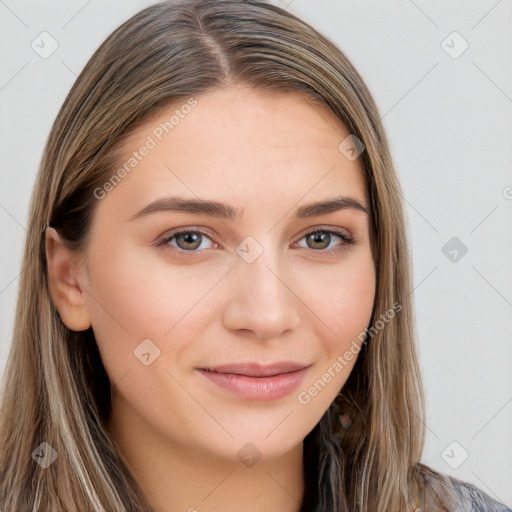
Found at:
(342, 297)
(134, 297)
(351, 301)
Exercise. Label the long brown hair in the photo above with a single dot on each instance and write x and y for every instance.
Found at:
(55, 388)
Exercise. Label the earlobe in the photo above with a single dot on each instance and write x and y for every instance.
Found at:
(68, 296)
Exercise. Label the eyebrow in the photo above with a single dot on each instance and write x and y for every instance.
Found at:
(226, 211)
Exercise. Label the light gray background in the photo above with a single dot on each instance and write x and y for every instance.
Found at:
(449, 121)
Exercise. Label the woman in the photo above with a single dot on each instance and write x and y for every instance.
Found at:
(214, 307)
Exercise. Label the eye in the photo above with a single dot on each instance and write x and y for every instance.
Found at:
(187, 240)
(321, 239)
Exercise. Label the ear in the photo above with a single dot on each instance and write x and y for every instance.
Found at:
(68, 296)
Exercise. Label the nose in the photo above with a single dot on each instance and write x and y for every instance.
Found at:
(261, 299)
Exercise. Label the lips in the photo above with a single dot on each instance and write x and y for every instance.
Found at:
(258, 370)
(254, 381)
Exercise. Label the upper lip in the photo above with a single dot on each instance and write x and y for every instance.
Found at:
(250, 369)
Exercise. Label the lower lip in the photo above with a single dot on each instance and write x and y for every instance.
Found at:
(257, 388)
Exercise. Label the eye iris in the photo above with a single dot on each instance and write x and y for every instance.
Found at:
(319, 238)
(189, 238)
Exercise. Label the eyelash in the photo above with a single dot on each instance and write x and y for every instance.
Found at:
(347, 240)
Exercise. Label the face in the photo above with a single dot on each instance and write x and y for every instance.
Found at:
(223, 312)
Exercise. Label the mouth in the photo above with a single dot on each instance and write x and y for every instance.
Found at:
(253, 381)
(258, 370)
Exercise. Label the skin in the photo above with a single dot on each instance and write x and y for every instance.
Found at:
(266, 154)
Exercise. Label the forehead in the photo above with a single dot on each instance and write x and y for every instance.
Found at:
(247, 144)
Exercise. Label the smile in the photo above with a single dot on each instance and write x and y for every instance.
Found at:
(251, 381)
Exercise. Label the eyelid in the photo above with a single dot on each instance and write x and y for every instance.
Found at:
(328, 229)
(163, 239)
(347, 239)
(187, 229)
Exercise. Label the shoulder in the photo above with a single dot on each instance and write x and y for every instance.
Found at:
(473, 499)
(444, 493)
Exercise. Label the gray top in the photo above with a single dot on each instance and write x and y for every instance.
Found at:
(473, 499)
(465, 497)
